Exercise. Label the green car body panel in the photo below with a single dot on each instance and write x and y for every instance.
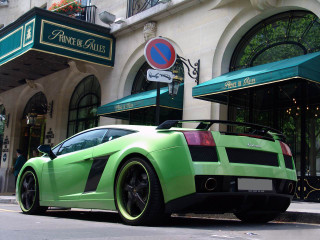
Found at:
(69, 180)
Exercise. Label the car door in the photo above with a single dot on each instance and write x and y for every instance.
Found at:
(64, 178)
(98, 180)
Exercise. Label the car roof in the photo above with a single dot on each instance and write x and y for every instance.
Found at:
(128, 127)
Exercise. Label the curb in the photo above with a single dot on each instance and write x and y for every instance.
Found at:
(300, 217)
(289, 216)
(8, 201)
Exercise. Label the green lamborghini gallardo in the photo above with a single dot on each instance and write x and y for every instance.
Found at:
(146, 173)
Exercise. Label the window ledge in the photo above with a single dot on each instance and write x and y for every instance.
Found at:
(155, 13)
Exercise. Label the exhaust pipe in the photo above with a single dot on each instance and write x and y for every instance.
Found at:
(210, 184)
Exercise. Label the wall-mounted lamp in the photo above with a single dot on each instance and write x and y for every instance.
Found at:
(50, 109)
(193, 72)
(119, 20)
(107, 17)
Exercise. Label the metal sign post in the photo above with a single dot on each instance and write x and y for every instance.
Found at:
(161, 55)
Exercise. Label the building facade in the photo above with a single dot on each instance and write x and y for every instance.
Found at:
(225, 35)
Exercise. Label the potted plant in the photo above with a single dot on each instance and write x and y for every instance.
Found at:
(67, 7)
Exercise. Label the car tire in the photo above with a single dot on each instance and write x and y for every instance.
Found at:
(138, 194)
(256, 217)
(29, 194)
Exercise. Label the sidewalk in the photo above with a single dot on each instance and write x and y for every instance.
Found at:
(301, 212)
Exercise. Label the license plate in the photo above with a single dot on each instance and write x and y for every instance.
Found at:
(254, 185)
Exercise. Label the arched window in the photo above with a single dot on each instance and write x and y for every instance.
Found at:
(84, 102)
(37, 104)
(281, 36)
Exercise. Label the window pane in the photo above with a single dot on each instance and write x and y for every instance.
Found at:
(82, 141)
(278, 53)
(83, 105)
(116, 133)
(71, 128)
(281, 36)
(72, 115)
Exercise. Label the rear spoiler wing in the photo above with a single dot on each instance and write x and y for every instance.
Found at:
(206, 124)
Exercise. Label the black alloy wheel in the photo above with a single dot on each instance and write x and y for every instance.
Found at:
(138, 193)
(29, 194)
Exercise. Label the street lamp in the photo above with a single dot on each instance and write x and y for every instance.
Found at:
(193, 72)
(173, 87)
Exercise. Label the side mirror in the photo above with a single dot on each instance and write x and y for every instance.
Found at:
(47, 150)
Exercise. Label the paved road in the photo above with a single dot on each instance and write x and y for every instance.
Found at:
(96, 225)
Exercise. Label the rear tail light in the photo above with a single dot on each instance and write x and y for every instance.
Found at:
(285, 149)
(201, 146)
(199, 138)
(287, 155)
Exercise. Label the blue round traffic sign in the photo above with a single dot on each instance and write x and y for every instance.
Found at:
(160, 53)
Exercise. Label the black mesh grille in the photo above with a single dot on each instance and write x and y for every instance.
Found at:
(288, 161)
(203, 154)
(237, 155)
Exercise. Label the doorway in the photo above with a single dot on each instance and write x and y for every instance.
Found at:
(33, 125)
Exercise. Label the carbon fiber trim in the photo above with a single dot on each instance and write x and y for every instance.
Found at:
(95, 174)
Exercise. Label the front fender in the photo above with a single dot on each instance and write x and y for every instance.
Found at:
(36, 165)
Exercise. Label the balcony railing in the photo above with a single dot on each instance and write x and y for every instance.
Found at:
(87, 14)
(137, 6)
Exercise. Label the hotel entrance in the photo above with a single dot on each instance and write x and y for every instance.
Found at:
(33, 125)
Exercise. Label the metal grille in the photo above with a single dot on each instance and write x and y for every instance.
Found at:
(247, 156)
(285, 35)
(137, 6)
(88, 14)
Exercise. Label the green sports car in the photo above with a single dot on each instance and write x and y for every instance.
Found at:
(146, 173)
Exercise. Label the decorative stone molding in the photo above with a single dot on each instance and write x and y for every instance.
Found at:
(221, 3)
(31, 83)
(262, 5)
(77, 67)
(149, 30)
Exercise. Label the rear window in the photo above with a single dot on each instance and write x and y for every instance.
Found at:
(116, 133)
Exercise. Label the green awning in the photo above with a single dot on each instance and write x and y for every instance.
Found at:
(304, 67)
(42, 42)
(120, 108)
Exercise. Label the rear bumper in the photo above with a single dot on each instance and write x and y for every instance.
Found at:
(223, 196)
(229, 202)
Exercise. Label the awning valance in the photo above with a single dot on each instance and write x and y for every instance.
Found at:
(41, 42)
(304, 67)
(121, 107)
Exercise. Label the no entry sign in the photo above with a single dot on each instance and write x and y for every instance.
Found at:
(160, 53)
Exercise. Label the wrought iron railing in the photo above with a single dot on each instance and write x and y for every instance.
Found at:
(137, 6)
(88, 14)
